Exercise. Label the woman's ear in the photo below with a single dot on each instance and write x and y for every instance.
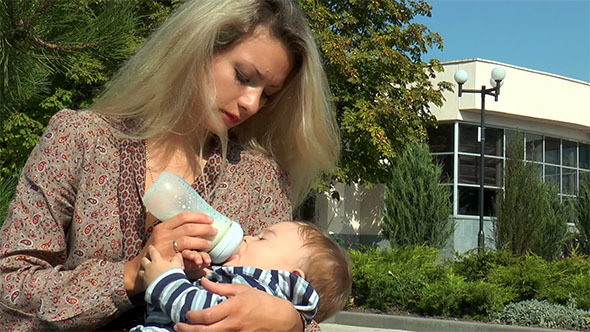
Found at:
(299, 272)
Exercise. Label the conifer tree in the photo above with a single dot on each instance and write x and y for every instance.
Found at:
(417, 207)
(530, 215)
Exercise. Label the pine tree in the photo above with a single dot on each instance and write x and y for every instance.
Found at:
(417, 207)
(530, 215)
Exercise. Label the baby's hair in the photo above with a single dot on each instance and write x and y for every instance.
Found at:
(326, 268)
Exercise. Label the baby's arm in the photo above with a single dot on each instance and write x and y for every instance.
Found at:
(175, 295)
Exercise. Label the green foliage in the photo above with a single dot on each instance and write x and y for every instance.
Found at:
(530, 214)
(417, 206)
(18, 135)
(475, 285)
(453, 296)
(582, 220)
(7, 188)
(541, 313)
(372, 52)
(477, 264)
(59, 54)
(384, 278)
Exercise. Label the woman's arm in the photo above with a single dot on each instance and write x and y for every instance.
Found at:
(43, 290)
(246, 309)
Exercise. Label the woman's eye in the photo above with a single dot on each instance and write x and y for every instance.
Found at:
(241, 77)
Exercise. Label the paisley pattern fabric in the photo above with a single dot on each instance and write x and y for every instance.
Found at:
(78, 217)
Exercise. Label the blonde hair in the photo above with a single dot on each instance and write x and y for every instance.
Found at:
(297, 127)
(326, 268)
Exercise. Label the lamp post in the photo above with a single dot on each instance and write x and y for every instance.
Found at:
(496, 81)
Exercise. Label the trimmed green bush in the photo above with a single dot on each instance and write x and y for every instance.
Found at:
(582, 220)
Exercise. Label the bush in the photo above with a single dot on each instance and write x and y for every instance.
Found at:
(477, 264)
(416, 206)
(541, 313)
(530, 215)
(455, 297)
(582, 220)
(386, 278)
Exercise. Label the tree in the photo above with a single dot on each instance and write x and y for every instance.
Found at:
(381, 87)
(582, 220)
(57, 54)
(417, 207)
(530, 215)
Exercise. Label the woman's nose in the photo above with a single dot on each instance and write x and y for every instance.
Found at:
(251, 100)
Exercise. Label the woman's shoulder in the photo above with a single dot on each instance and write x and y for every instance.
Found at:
(80, 124)
(252, 159)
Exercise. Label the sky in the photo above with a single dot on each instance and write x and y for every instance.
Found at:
(552, 36)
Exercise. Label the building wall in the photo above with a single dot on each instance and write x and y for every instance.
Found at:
(530, 101)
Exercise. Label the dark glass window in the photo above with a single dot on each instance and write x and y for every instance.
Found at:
(569, 181)
(493, 171)
(534, 147)
(446, 161)
(468, 139)
(584, 156)
(584, 177)
(469, 201)
(441, 138)
(552, 176)
(552, 150)
(468, 169)
(514, 140)
(569, 153)
(494, 142)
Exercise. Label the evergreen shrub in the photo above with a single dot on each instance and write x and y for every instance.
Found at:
(530, 215)
(416, 206)
(582, 217)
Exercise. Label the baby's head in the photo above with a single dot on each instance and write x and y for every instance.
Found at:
(304, 249)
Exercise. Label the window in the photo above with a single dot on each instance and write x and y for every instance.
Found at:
(446, 161)
(585, 156)
(469, 201)
(468, 139)
(441, 138)
(534, 147)
(569, 181)
(569, 155)
(494, 142)
(552, 150)
(552, 176)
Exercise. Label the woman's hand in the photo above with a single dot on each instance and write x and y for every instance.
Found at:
(246, 309)
(188, 229)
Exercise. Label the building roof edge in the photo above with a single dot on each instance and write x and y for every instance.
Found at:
(455, 62)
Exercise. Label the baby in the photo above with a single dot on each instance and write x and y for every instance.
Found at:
(295, 261)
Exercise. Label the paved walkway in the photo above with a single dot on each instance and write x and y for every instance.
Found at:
(331, 327)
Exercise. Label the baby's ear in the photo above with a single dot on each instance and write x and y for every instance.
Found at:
(299, 272)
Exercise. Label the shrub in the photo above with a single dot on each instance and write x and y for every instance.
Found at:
(524, 279)
(530, 216)
(416, 206)
(477, 264)
(541, 313)
(386, 278)
(455, 297)
(582, 219)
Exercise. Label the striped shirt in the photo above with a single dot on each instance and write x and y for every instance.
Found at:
(172, 295)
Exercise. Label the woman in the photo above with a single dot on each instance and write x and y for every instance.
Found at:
(228, 94)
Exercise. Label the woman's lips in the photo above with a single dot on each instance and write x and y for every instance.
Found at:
(231, 118)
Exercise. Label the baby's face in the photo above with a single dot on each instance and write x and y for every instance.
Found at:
(276, 248)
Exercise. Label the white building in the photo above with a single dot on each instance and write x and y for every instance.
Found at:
(552, 111)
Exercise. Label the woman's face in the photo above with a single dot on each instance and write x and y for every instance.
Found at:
(248, 74)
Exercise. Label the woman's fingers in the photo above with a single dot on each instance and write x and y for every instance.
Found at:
(188, 217)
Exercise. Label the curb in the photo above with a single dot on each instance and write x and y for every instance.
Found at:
(419, 324)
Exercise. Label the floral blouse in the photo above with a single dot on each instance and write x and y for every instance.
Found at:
(78, 217)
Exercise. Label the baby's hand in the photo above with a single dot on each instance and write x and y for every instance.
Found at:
(195, 263)
(153, 265)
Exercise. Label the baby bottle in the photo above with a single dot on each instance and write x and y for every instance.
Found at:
(170, 195)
